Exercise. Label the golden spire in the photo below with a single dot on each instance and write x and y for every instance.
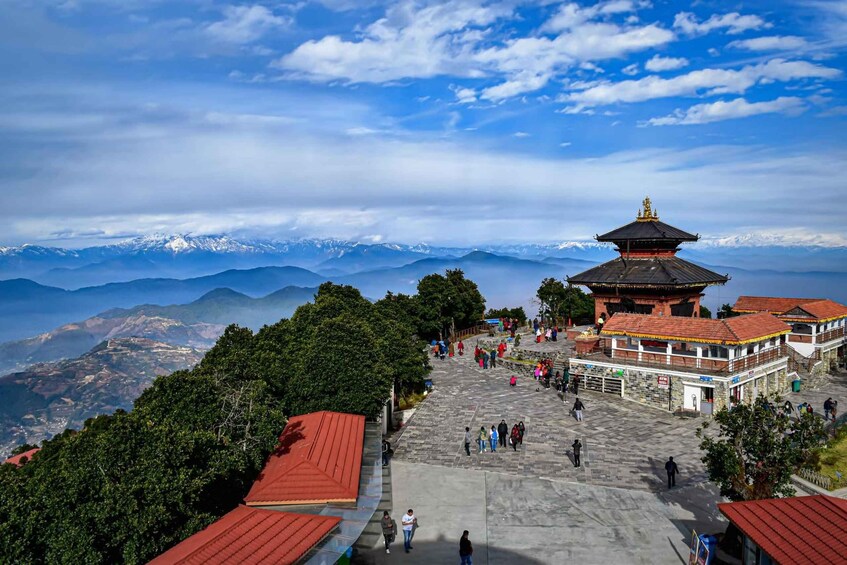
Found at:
(648, 215)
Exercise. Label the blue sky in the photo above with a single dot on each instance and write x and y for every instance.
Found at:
(454, 122)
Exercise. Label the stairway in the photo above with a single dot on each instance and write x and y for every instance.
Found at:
(372, 534)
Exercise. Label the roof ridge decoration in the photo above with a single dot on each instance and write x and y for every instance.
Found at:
(648, 214)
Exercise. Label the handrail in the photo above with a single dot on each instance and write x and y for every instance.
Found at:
(712, 365)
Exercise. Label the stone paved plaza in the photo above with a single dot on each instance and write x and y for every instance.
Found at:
(625, 444)
(532, 506)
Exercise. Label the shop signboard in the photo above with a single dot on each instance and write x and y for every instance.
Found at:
(663, 381)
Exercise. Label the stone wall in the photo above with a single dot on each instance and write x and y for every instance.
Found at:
(516, 368)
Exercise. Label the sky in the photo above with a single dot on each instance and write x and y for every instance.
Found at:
(460, 122)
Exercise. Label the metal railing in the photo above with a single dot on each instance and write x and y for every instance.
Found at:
(703, 364)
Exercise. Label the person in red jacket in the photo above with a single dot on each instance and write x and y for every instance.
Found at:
(461, 347)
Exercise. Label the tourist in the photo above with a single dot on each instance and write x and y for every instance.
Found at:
(515, 437)
(522, 431)
(513, 381)
(492, 439)
(834, 409)
(788, 408)
(389, 530)
(672, 470)
(482, 438)
(502, 432)
(465, 549)
(461, 347)
(578, 407)
(451, 349)
(576, 384)
(535, 325)
(409, 522)
(485, 359)
(548, 335)
(554, 335)
(538, 335)
(577, 445)
(386, 449)
(493, 357)
(501, 349)
(468, 441)
(827, 408)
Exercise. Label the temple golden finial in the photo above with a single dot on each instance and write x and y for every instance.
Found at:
(648, 215)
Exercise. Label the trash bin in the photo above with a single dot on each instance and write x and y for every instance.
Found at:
(711, 543)
(795, 385)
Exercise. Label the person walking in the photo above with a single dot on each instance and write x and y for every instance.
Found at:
(468, 441)
(485, 359)
(482, 438)
(827, 408)
(521, 430)
(515, 437)
(389, 530)
(577, 446)
(461, 347)
(502, 432)
(465, 549)
(578, 407)
(492, 439)
(576, 385)
(409, 522)
(493, 358)
(672, 470)
(386, 450)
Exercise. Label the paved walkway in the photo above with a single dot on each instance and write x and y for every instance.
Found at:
(531, 521)
(625, 444)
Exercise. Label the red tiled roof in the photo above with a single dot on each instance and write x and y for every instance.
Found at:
(248, 536)
(820, 309)
(732, 331)
(16, 459)
(774, 305)
(318, 460)
(802, 530)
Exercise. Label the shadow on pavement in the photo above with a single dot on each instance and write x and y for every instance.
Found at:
(441, 551)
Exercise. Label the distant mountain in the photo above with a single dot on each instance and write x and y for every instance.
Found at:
(48, 398)
(27, 308)
(197, 324)
(368, 258)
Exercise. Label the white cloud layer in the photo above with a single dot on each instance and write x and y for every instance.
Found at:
(245, 24)
(657, 63)
(708, 81)
(729, 110)
(733, 23)
(770, 43)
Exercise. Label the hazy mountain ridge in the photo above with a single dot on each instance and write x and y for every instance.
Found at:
(50, 397)
(197, 324)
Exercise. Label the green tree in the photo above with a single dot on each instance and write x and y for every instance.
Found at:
(756, 450)
(447, 301)
(577, 305)
(551, 297)
(726, 311)
(705, 312)
(515, 313)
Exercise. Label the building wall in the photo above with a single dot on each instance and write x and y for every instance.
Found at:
(641, 384)
(662, 305)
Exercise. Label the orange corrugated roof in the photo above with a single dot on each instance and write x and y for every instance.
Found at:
(16, 459)
(248, 536)
(773, 304)
(801, 530)
(820, 309)
(733, 331)
(318, 460)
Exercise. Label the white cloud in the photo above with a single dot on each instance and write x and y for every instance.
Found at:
(520, 134)
(770, 43)
(565, 144)
(708, 81)
(245, 24)
(733, 109)
(630, 69)
(465, 95)
(733, 23)
(658, 63)
(409, 42)
(451, 39)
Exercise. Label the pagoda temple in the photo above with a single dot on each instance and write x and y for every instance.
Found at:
(648, 277)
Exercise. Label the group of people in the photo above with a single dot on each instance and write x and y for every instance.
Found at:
(496, 436)
(550, 333)
(443, 348)
(830, 408)
(410, 524)
(509, 325)
(488, 359)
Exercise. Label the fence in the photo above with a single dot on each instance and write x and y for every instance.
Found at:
(603, 384)
(816, 478)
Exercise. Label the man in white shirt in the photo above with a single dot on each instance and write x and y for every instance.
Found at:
(409, 522)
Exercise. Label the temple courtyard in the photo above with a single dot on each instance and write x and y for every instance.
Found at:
(533, 505)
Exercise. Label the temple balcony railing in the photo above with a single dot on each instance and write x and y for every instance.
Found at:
(689, 362)
(831, 335)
